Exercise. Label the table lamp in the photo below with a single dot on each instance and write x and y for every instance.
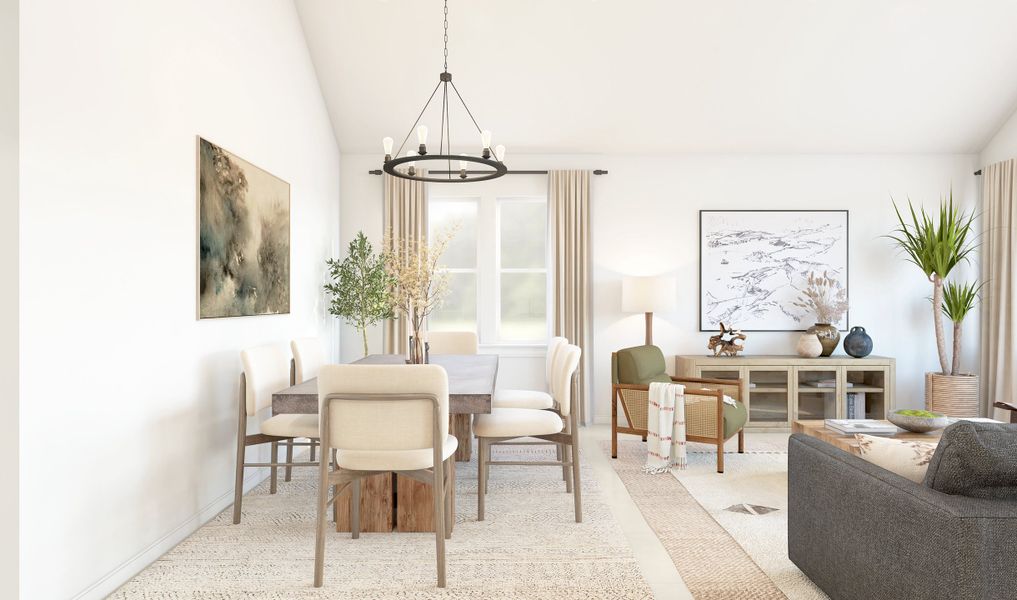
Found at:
(649, 295)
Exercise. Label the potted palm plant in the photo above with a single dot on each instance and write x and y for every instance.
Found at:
(936, 246)
(360, 287)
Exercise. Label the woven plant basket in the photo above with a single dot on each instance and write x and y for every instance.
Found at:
(952, 395)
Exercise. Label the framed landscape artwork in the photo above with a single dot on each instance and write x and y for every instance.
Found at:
(243, 237)
(753, 265)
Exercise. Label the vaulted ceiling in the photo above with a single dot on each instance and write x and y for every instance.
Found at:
(647, 76)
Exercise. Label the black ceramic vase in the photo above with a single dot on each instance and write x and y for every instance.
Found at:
(858, 343)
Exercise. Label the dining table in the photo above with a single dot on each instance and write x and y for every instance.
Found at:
(389, 501)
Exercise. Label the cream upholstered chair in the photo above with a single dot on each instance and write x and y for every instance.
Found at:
(533, 398)
(452, 342)
(560, 427)
(379, 418)
(308, 356)
(266, 370)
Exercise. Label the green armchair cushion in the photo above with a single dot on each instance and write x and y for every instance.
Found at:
(642, 365)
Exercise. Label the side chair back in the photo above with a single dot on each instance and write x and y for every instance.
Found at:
(308, 357)
(266, 370)
(452, 342)
(553, 347)
(568, 363)
(404, 423)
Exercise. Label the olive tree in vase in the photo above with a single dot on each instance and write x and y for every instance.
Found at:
(360, 287)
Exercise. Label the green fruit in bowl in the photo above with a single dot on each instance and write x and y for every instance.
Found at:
(923, 414)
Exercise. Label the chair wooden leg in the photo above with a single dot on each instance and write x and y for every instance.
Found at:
(576, 484)
(314, 446)
(720, 456)
(335, 494)
(289, 460)
(569, 456)
(450, 496)
(487, 469)
(559, 455)
(355, 509)
(238, 483)
(741, 441)
(614, 429)
(319, 540)
(481, 476)
(439, 521)
(275, 470)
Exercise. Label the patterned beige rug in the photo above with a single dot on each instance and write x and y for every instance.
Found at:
(529, 546)
(712, 564)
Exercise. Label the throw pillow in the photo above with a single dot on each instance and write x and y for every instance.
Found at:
(977, 460)
(907, 458)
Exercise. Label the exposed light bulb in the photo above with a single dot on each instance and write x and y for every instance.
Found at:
(411, 166)
(485, 138)
(422, 134)
(499, 153)
(387, 144)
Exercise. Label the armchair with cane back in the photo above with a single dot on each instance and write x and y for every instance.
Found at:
(708, 419)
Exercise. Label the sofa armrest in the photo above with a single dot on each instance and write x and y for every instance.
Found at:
(860, 531)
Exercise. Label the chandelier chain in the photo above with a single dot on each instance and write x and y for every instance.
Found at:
(446, 36)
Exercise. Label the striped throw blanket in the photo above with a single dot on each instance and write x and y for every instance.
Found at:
(665, 424)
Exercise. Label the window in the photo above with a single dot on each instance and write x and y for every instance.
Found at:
(522, 270)
(497, 264)
(459, 311)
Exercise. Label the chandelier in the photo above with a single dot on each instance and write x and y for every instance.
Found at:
(457, 166)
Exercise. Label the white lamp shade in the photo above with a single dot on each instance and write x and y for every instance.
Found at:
(649, 294)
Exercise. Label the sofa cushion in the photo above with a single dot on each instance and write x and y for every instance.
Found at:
(978, 460)
(907, 458)
(641, 365)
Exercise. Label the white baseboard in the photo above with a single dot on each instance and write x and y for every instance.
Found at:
(120, 575)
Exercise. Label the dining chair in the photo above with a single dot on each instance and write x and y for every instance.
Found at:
(308, 356)
(452, 342)
(556, 426)
(539, 399)
(266, 370)
(385, 418)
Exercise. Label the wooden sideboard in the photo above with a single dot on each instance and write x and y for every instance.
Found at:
(779, 390)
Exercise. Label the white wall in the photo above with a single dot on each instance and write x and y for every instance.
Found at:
(1003, 144)
(646, 221)
(128, 403)
(9, 300)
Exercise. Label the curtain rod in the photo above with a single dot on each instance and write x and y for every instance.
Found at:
(595, 172)
(978, 172)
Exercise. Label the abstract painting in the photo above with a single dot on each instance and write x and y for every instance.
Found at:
(243, 237)
(754, 264)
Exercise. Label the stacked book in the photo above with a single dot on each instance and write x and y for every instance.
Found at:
(869, 426)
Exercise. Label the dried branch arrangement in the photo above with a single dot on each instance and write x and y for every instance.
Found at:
(824, 297)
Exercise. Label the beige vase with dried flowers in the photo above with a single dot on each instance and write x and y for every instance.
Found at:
(419, 282)
(824, 297)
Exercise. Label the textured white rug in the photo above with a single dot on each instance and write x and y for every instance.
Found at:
(749, 500)
(529, 546)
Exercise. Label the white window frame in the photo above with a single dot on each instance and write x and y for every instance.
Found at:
(499, 270)
(488, 270)
(478, 201)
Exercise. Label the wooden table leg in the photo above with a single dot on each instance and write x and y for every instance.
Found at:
(462, 428)
(376, 501)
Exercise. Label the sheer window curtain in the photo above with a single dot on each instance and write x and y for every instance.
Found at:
(569, 207)
(999, 294)
(405, 218)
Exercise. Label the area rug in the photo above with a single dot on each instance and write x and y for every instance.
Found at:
(735, 542)
(710, 561)
(528, 546)
(749, 500)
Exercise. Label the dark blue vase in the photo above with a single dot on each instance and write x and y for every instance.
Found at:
(858, 343)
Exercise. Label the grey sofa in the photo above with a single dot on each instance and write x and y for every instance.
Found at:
(860, 531)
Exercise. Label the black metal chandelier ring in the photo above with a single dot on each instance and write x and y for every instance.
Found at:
(454, 175)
